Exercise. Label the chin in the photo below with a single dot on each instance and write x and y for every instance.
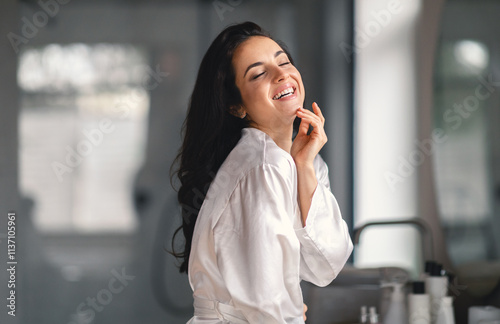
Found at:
(291, 107)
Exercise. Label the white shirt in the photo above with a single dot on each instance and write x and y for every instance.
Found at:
(249, 248)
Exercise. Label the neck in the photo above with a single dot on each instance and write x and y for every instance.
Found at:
(281, 136)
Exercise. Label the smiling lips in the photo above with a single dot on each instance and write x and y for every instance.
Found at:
(284, 93)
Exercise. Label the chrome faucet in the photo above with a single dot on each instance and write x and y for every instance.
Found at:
(423, 227)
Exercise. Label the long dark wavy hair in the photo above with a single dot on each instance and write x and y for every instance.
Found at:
(210, 130)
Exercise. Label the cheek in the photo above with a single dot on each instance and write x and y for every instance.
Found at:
(256, 93)
(245, 92)
(301, 85)
(296, 74)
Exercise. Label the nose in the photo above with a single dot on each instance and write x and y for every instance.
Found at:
(280, 75)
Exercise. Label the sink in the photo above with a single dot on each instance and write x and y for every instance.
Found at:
(340, 302)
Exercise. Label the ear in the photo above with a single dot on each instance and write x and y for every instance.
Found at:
(238, 111)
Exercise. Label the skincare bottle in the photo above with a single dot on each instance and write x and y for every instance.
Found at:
(445, 315)
(363, 316)
(373, 316)
(419, 304)
(429, 265)
(396, 313)
(437, 287)
(484, 314)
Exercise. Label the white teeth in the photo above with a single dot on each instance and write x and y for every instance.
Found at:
(282, 93)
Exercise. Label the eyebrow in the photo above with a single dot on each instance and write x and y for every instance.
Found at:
(260, 63)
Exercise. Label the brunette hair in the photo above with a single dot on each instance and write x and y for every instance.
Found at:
(210, 130)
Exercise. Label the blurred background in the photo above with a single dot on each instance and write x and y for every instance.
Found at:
(93, 95)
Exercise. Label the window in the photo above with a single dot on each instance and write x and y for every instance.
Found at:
(465, 163)
(83, 125)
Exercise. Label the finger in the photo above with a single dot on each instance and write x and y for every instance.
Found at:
(303, 127)
(314, 122)
(303, 112)
(318, 132)
(317, 110)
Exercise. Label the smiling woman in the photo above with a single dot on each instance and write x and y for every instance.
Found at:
(271, 88)
(258, 213)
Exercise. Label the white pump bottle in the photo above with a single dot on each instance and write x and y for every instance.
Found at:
(396, 312)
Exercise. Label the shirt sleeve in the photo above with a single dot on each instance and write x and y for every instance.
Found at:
(257, 249)
(325, 241)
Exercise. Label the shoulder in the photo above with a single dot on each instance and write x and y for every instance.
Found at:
(255, 162)
(255, 172)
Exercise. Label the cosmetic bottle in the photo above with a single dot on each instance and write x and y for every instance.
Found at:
(373, 316)
(483, 314)
(396, 313)
(419, 304)
(363, 316)
(437, 287)
(429, 265)
(445, 315)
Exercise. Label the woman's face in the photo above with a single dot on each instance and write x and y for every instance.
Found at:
(271, 87)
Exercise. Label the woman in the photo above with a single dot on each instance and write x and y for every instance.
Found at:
(258, 214)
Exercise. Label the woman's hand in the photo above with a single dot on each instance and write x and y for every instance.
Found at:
(304, 150)
(306, 147)
(305, 310)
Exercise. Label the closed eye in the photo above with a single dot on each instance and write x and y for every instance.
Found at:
(258, 75)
